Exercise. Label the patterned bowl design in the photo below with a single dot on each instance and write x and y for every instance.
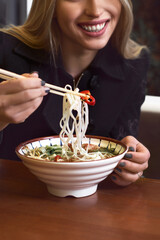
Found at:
(78, 179)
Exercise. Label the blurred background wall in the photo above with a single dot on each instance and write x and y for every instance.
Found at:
(147, 31)
(12, 12)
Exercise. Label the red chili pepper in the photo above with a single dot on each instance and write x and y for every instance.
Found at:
(89, 99)
(57, 157)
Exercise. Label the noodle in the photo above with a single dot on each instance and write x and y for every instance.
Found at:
(74, 121)
(73, 125)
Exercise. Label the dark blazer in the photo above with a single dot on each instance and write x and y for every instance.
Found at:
(117, 84)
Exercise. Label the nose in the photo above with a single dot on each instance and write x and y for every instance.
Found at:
(93, 9)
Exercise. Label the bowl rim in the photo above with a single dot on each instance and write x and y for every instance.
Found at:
(78, 162)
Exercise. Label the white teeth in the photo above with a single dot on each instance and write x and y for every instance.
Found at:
(94, 28)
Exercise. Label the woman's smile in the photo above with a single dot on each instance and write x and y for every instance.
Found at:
(95, 28)
(86, 24)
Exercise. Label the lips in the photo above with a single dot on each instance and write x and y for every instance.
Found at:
(94, 27)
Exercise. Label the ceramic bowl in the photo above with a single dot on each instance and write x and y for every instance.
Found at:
(78, 179)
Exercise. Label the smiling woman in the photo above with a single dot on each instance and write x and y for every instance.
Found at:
(86, 25)
(36, 33)
(86, 44)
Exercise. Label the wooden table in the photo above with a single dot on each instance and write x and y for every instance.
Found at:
(29, 212)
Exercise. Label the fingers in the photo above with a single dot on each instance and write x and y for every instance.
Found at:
(20, 97)
(123, 176)
(133, 167)
(142, 154)
(23, 111)
(128, 172)
(123, 179)
(33, 74)
(137, 151)
(19, 112)
(134, 163)
(10, 104)
(23, 96)
(17, 85)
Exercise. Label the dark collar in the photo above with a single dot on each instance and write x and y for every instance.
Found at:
(107, 60)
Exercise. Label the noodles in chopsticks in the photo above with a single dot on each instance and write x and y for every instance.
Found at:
(73, 123)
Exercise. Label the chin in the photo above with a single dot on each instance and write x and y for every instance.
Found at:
(95, 44)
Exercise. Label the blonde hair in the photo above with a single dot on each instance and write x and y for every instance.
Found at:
(121, 38)
(40, 30)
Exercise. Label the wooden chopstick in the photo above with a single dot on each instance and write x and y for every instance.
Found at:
(64, 90)
(6, 75)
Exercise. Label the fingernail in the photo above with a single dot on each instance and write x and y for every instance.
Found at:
(34, 72)
(113, 178)
(131, 149)
(47, 90)
(128, 155)
(118, 169)
(122, 164)
(43, 83)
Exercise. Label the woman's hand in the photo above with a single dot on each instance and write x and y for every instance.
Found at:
(19, 98)
(134, 163)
